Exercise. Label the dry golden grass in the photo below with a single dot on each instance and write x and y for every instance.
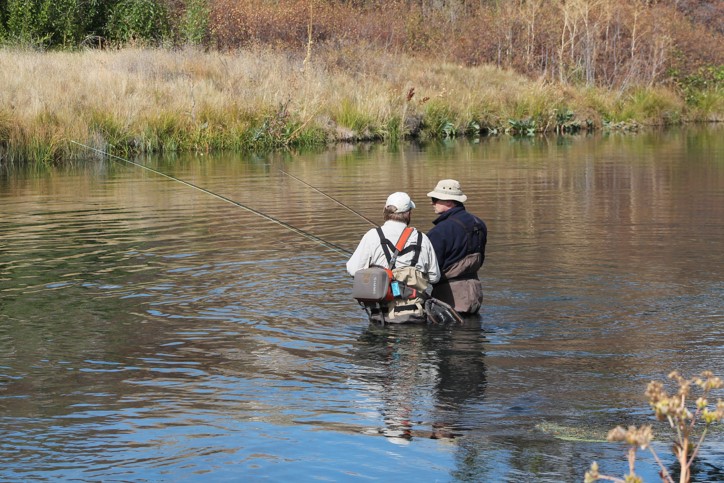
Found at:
(149, 100)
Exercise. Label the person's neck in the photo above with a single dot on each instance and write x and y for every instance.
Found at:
(396, 221)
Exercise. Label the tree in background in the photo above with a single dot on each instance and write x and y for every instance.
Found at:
(24, 22)
(49, 23)
(69, 23)
(609, 43)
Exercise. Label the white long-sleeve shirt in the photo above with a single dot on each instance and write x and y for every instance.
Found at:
(369, 251)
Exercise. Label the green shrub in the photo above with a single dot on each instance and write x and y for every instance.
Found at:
(3, 32)
(142, 22)
(439, 120)
(71, 20)
(48, 23)
(195, 22)
(26, 24)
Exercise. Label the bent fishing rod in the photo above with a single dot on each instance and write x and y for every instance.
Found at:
(293, 228)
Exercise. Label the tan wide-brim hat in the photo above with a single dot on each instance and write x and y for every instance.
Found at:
(448, 189)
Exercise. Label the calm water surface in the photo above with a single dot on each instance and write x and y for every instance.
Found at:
(152, 332)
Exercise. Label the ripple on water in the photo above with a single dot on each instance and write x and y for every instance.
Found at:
(152, 333)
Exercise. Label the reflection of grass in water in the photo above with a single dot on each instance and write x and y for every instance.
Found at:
(573, 433)
(598, 435)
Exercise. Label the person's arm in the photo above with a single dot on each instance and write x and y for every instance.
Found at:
(361, 257)
(439, 243)
(484, 241)
(433, 268)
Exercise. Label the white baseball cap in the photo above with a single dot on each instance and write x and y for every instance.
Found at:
(401, 201)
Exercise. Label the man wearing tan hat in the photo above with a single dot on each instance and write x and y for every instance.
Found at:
(414, 265)
(459, 239)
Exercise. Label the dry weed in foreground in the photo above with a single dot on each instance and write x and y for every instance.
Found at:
(671, 408)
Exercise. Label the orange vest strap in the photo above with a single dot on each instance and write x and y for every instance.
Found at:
(403, 238)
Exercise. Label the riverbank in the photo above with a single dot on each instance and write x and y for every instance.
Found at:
(133, 101)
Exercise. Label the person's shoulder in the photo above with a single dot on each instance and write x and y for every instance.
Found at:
(371, 232)
(465, 214)
(424, 237)
(476, 218)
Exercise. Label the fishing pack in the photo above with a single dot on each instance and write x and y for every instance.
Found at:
(377, 284)
(393, 294)
(372, 284)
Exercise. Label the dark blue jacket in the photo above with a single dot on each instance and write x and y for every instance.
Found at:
(454, 236)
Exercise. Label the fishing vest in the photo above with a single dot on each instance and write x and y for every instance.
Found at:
(407, 304)
(399, 295)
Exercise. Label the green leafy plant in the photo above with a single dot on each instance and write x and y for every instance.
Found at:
(565, 122)
(48, 23)
(27, 23)
(521, 127)
(275, 129)
(448, 130)
(195, 22)
(704, 79)
(473, 128)
(687, 426)
(439, 119)
(138, 22)
(70, 21)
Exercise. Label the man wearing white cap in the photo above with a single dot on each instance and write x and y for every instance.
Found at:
(459, 239)
(415, 264)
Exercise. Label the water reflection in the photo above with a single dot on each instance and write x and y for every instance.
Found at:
(425, 378)
(149, 332)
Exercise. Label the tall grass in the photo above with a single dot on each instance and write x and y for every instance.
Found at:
(140, 100)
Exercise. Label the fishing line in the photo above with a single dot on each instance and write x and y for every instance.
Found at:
(296, 230)
(331, 198)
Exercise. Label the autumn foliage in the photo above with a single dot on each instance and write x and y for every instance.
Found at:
(606, 43)
(613, 43)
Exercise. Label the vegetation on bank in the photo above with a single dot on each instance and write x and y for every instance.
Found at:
(131, 76)
(611, 43)
(131, 101)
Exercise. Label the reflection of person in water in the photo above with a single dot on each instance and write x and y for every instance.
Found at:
(424, 376)
(462, 378)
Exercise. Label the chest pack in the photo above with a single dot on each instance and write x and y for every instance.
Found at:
(378, 284)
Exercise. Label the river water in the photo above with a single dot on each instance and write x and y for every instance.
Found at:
(150, 331)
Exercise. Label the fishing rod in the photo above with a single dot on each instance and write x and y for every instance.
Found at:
(296, 230)
(331, 198)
